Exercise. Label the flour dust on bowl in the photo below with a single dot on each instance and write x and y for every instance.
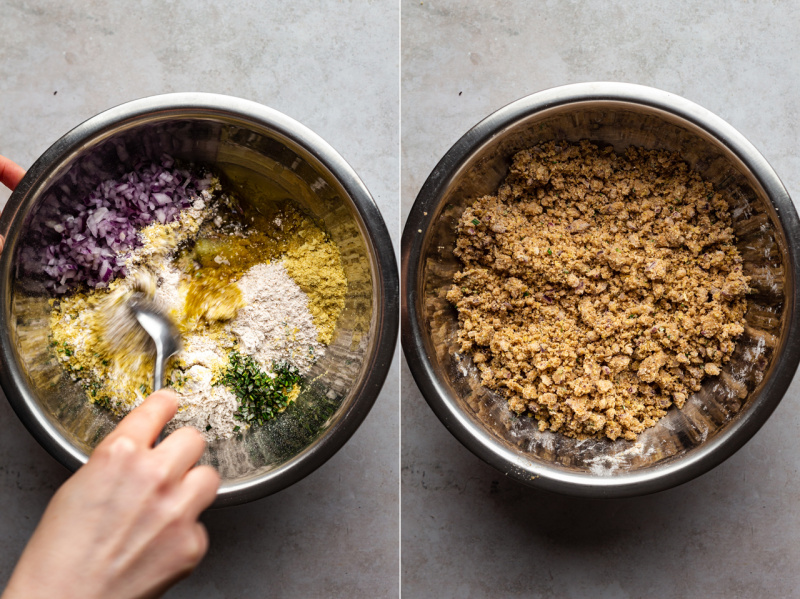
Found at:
(251, 233)
(733, 398)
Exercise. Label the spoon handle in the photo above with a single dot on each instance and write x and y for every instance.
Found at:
(158, 382)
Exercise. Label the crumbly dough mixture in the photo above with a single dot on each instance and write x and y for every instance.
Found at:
(598, 289)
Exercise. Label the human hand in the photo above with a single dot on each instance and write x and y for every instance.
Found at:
(126, 524)
(10, 175)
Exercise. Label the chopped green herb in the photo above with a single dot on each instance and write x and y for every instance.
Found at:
(476, 222)
(261, 395)
(549, 252)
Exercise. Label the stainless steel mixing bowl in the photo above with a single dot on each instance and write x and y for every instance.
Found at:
(717, 420)
(265, 155)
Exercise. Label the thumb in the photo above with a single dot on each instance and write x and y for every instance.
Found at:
(10, 173)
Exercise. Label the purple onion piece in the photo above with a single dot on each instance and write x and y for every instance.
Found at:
(94, 232)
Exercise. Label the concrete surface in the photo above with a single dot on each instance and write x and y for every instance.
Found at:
(332, 66)
(466, 530)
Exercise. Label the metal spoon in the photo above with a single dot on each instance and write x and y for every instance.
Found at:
(164, 335)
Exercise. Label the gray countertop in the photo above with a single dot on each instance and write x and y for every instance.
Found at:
(467, 531)
(333, 67)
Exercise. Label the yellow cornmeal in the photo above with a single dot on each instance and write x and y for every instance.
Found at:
(78, 348)
(316, 267)
(292, 395)
(210, 268)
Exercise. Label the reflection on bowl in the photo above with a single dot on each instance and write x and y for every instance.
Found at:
(718, 419)
(265, 156)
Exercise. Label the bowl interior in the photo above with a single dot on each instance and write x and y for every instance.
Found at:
(709, 412)
(264, 164)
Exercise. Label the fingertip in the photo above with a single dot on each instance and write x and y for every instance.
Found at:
(192, 437)
(164, 393)
(182, 448)
(212, 474)
(10, 173)
(205, 480)
(199, 544)
(199, 490)
(165, 396)
(202, 533)
(145, 422)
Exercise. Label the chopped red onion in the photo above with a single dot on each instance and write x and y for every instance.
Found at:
(98, 232)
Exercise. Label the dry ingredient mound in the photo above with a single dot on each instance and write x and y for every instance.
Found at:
(275, 324)
(598, 289)
(316, 265)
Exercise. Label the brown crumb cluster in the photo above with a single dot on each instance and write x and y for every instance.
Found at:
(598, 289)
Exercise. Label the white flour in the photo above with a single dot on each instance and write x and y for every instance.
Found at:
(275, 325)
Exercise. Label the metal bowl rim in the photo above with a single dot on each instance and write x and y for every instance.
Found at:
(193, 105)
(483, 443)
